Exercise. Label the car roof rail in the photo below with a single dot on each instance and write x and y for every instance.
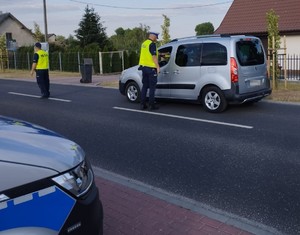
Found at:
(202, 36)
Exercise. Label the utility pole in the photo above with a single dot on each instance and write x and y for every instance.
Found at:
(45, 21)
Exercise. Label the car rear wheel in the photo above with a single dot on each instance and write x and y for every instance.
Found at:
(133, 92)
(213, 100)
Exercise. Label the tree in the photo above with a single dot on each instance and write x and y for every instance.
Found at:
(91, 29)
(38, 36)
(204, 28)
(2, 42)
(165, 30)
(129, 39)
(3, 52)
(273, 32)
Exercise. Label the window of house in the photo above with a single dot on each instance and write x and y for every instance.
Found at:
(8, 37)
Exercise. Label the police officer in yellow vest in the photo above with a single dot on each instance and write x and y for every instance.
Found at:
(150, 68)
(41, 66)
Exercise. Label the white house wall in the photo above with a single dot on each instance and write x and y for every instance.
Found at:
(292, 45)
(22, 36)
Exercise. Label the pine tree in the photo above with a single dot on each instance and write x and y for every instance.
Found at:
(91, 29)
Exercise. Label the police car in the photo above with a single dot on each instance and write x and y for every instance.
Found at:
(46, 183)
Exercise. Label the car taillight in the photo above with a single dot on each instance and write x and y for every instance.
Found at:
(234, 70)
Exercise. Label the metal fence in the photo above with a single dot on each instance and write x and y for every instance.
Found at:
(103, 62)
(114, 61)
(292, 67)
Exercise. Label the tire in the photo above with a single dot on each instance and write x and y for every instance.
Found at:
(133, 92)
(213, 100)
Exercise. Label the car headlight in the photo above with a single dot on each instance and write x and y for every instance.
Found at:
(78, 180)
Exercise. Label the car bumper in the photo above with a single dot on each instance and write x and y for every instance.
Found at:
(122, 88)
(86, 216)
(52, 210)
(233, 96)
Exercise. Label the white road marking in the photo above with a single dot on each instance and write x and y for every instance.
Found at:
(186, 118)
(35, 96)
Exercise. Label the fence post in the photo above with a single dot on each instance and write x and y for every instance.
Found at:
(15, 60)
(78, 59)
(123, 64)
(284, 62)
(100, 63)
(269, 59)
(273, 63)
(59, 58)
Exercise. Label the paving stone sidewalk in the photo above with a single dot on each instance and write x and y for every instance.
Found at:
(130, 212)
(134, 208)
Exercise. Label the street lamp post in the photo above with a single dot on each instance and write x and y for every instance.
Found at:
(45, 21)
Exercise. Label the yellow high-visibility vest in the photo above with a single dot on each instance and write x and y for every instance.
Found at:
(146, 57)
(43, 61)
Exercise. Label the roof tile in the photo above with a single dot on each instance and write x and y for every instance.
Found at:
(250, 16)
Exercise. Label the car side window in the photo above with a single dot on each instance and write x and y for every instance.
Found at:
(164, 55)
(213, 54)
(188, 55)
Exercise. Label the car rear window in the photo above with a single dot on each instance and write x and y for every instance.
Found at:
(250, 52)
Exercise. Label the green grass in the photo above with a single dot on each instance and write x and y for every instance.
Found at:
(291, 93)
(26, 74)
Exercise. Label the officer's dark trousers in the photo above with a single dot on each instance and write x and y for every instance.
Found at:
(149, 82)
(42, 78)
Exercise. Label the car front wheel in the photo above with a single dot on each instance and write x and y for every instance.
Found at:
(133, 92)
(213, 100)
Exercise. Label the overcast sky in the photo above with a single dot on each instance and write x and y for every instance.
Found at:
(63, 16)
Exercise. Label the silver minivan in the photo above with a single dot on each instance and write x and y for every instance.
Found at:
(215, 70)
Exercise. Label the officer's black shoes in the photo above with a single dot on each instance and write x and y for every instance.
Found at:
(153, 107)
(144, 106)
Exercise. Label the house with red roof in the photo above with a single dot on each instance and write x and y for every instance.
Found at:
(249, 17)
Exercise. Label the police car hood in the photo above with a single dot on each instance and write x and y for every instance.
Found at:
(26, 144)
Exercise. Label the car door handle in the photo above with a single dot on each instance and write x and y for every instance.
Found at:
(165, 72)
(176, 72)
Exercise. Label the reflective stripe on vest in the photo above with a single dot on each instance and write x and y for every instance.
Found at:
(43, 61)
(146, 57)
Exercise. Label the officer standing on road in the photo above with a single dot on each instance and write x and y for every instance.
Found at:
(41, 66)
(150, 68)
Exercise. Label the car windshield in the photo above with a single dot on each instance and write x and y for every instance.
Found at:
(249, 52)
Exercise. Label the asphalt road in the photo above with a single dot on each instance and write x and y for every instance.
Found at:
(244, 161)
